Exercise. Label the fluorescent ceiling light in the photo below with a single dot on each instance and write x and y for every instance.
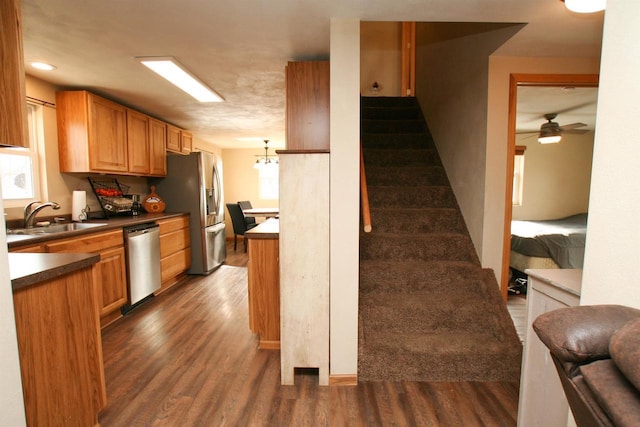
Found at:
(43, 66)
(175, 73)
(585, 6)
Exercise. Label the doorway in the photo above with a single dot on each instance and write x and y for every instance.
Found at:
(518, 81)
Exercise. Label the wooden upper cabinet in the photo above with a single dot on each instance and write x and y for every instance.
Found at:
(307, 109)
(138, 142)
(92, 133)
(186, 142)
(100, 136)
(173, 139)
(13, 108)
(178, 140)
(157, 147)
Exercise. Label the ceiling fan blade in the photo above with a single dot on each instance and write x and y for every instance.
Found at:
(571, 126)
(526, 135)
(576, 131)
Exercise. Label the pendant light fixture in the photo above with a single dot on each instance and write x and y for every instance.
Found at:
(266, 160)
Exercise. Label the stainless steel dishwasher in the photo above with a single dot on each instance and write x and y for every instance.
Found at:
(142, 243)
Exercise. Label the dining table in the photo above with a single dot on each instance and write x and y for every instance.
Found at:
(261, 212)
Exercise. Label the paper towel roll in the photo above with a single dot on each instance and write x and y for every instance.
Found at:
(78, 203)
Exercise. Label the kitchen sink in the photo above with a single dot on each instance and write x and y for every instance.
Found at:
(56, 228)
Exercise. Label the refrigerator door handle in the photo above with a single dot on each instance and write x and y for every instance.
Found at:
(215, 179)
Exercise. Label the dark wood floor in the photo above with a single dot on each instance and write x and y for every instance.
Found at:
(188, 358)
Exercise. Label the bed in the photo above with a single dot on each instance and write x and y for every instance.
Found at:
(555, 243)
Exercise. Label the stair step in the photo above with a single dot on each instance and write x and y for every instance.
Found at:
(411, 197)
(474, 357)
(396, 141)
(388, 101)
(400, 157)
(393, 126)
(429, 247)
(410, 176)
(391, 113)
(427, 311)
(384, 276)
(417, 220)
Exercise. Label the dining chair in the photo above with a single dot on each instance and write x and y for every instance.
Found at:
(239, 223)
(246, 204)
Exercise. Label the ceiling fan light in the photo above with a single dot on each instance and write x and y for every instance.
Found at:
(549, 139)
(585, 6)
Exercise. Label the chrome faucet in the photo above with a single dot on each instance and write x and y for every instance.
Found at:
(30, 213)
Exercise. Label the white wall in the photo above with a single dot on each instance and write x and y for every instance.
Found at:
(500, 69)
(345, 195)
(611, 260)
(556, 177)
(451, 85)
(380, 58)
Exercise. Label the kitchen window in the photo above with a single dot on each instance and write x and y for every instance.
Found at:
(20, 166)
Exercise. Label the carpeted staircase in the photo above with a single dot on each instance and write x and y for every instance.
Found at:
(428, 310)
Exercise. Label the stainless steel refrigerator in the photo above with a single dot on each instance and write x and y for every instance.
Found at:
(194, 184)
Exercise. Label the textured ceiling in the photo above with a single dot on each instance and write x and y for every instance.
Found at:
(240, 48)
(572, 104)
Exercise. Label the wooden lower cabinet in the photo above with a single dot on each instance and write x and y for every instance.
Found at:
(109, 274)
(264, 291)
(175, 250)
(65, 387)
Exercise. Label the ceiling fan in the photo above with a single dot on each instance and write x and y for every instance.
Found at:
(551, 132)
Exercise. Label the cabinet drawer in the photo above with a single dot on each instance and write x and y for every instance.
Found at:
(169, 225)
(32, 249)
(91, 243)
(173, 242)
(175, 264)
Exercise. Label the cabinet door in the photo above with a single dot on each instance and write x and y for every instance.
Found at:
(107, 136)
(186, 142)
(307, 108)
(110, 274)
(13, 130)
(138, 142)
(173, 139)
(157, 144)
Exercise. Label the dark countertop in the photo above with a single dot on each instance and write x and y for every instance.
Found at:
(269, 229)
(27, 269)
(18, 240)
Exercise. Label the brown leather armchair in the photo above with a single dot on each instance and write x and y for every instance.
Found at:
(596, 350)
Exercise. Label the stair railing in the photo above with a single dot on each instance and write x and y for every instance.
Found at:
(364, 195)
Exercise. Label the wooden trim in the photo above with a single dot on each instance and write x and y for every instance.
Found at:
(408, 50)
(343, 380)
(515, 80)
(520, 149)
(109, 318)
(323, 151)
(268, 345)
(364, 195)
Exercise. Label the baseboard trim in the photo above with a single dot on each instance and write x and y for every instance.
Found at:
(343, 380)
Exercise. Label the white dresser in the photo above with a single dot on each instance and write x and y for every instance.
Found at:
(542, 400)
